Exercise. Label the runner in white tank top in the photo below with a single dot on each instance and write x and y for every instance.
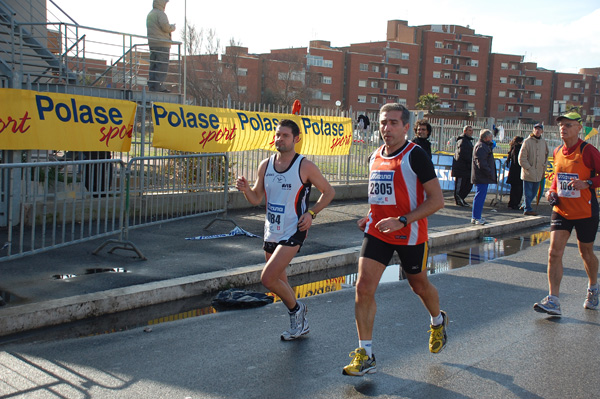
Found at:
(285, 180)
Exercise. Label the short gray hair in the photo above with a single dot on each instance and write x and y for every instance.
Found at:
(485, 133)
(397, 107)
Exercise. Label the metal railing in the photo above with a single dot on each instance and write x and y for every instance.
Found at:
(54, 204)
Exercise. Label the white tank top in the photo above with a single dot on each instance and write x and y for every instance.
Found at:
(286, 200)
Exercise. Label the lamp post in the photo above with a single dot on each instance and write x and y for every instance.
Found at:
(184, 51)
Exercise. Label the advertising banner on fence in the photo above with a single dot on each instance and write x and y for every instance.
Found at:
(204, 129)
(31, 120)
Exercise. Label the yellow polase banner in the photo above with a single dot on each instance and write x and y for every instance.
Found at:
(210, 130)
(31, 120)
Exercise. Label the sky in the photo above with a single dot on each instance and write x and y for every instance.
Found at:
(557, 35)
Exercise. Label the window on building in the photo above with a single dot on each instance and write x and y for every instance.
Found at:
(375, 68)
(362, 99)
(504, 65)
(576, 85)
(470, 105)
(374, 84)
(501, 107)
(326, 80)
(328, 63)
(403, 71)
(538, 82)
(501, 93)
(293, 75)
(326, 97)
(362, 83)
(314, 60)
(447, 75)
(401, 101)
(513, 66)
(437, 74)
(537, 96)
(317, 94)
(567, 84)
(471, 92)
(242, 89)
(473, 77)
(437, 60)
(585, 99)
(405, 56)
(513, 81)
(511, 94)
(566, 97)
(447, 61)
(575, 97)
(374, 100)
(364, 67)
(475, 63)
(475, 48)
(393, 53)
(435, 89)
(587, 86)
(401, 86)
(510, 108)
(503, 79)
(242, 71)
(536, 110)
(439, 45)
(446, 90)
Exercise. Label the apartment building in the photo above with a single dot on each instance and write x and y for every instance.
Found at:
(452, 61)
(381, 72)
(455, 66)
(519, 91)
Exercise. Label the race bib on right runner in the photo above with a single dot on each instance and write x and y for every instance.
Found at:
(563, 188)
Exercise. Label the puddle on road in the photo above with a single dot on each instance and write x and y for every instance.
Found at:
(439, 261)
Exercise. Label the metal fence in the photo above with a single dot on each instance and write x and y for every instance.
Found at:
(62, 198)
(53, 204)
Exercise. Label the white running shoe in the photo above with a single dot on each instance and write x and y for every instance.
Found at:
(298, 324)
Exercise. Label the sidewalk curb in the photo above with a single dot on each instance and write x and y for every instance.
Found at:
(53, 312)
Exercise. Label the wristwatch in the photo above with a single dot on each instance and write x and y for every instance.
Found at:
(591, 183)
(312, 214)
(402, 219)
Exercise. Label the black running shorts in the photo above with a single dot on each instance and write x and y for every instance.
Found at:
(297, 239)
(413, 258)
(585, 228)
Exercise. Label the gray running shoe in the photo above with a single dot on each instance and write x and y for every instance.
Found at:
(591, 302)
(478, 221)
(298, 324)
(548, 305)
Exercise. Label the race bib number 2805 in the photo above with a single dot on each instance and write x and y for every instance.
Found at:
(381, 187)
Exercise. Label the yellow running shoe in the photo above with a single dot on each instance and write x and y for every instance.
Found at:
(361, 363)
(437, 339)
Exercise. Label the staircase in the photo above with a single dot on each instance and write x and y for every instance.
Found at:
(25, 54)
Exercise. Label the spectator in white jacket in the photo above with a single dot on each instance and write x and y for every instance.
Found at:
(532, 158)
(159, 40)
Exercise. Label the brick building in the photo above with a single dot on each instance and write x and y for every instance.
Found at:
(451, 61)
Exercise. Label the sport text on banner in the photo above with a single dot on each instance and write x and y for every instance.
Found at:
(208, 130)
(31, 120)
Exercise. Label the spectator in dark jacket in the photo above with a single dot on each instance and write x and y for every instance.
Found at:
(461, 166)
(514, 173)
(422, 132)
(483, 172)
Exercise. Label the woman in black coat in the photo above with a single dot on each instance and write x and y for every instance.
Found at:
(514, 173)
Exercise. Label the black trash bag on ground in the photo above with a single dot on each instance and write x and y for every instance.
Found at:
(234, 298)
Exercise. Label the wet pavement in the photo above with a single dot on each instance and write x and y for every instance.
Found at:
(70, 283)
(498, 347)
